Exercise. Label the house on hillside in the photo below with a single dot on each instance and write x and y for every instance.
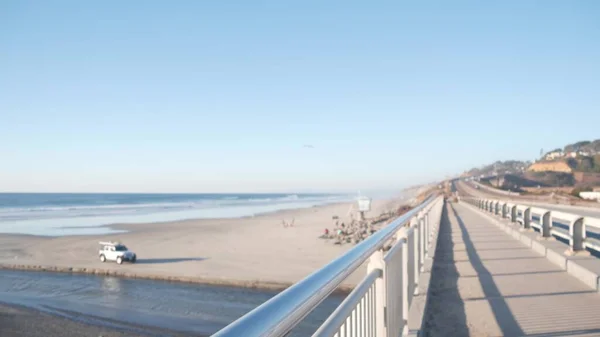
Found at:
(590, 195)
(554, 155)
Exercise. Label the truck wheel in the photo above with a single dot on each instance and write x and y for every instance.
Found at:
(102, 258)
(119, 260)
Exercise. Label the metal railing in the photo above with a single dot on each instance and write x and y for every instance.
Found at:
(568, 226)
(378, 305)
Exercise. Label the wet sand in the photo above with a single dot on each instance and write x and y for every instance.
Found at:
(252, 252)
(18, 321)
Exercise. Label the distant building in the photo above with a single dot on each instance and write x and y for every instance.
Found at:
(554, 155)
(590, 195)
(572, 154)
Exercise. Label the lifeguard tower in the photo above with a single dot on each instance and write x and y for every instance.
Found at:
(363, 205)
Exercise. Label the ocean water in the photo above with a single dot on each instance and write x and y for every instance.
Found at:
(56, 214)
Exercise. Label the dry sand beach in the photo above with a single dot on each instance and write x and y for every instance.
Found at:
(254, 251)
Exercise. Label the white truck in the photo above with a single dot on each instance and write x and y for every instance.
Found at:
(115, 251)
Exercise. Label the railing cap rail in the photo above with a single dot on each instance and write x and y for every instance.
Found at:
(538, 210)
(592, 222)
(565, 216)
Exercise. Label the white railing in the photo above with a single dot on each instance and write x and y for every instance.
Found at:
(542, 219)
(378, 306)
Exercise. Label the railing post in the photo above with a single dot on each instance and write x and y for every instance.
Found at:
(427, 233)
(527, 218)
(416, 245)
(577, 233)
(546, 220)
(513, 213)
(376, 262)
(430, 230)
(423, 243)
(405, 286)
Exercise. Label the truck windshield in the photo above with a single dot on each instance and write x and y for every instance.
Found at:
(120, 248)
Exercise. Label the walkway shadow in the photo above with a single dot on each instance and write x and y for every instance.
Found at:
(504, 316)
(172, 260)
(445, 315)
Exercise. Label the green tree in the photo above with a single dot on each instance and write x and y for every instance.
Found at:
(586, 164)
(577, 146)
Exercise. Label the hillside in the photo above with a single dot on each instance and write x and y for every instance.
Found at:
(588, 164)
(499, 167)
(584, 146)
(576, 165)
(581, 148)
(581, 156)
(551, 166)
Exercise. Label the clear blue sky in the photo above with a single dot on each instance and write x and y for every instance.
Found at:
(199, 96)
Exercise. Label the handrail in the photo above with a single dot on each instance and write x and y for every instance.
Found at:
(578, 224)
(280, 314)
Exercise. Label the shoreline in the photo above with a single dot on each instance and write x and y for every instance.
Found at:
(342, 289)
(125, 228)
(129, 227)
(254, 252)
(115, 224)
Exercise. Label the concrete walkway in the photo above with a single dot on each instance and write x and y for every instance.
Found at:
(486, 283)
